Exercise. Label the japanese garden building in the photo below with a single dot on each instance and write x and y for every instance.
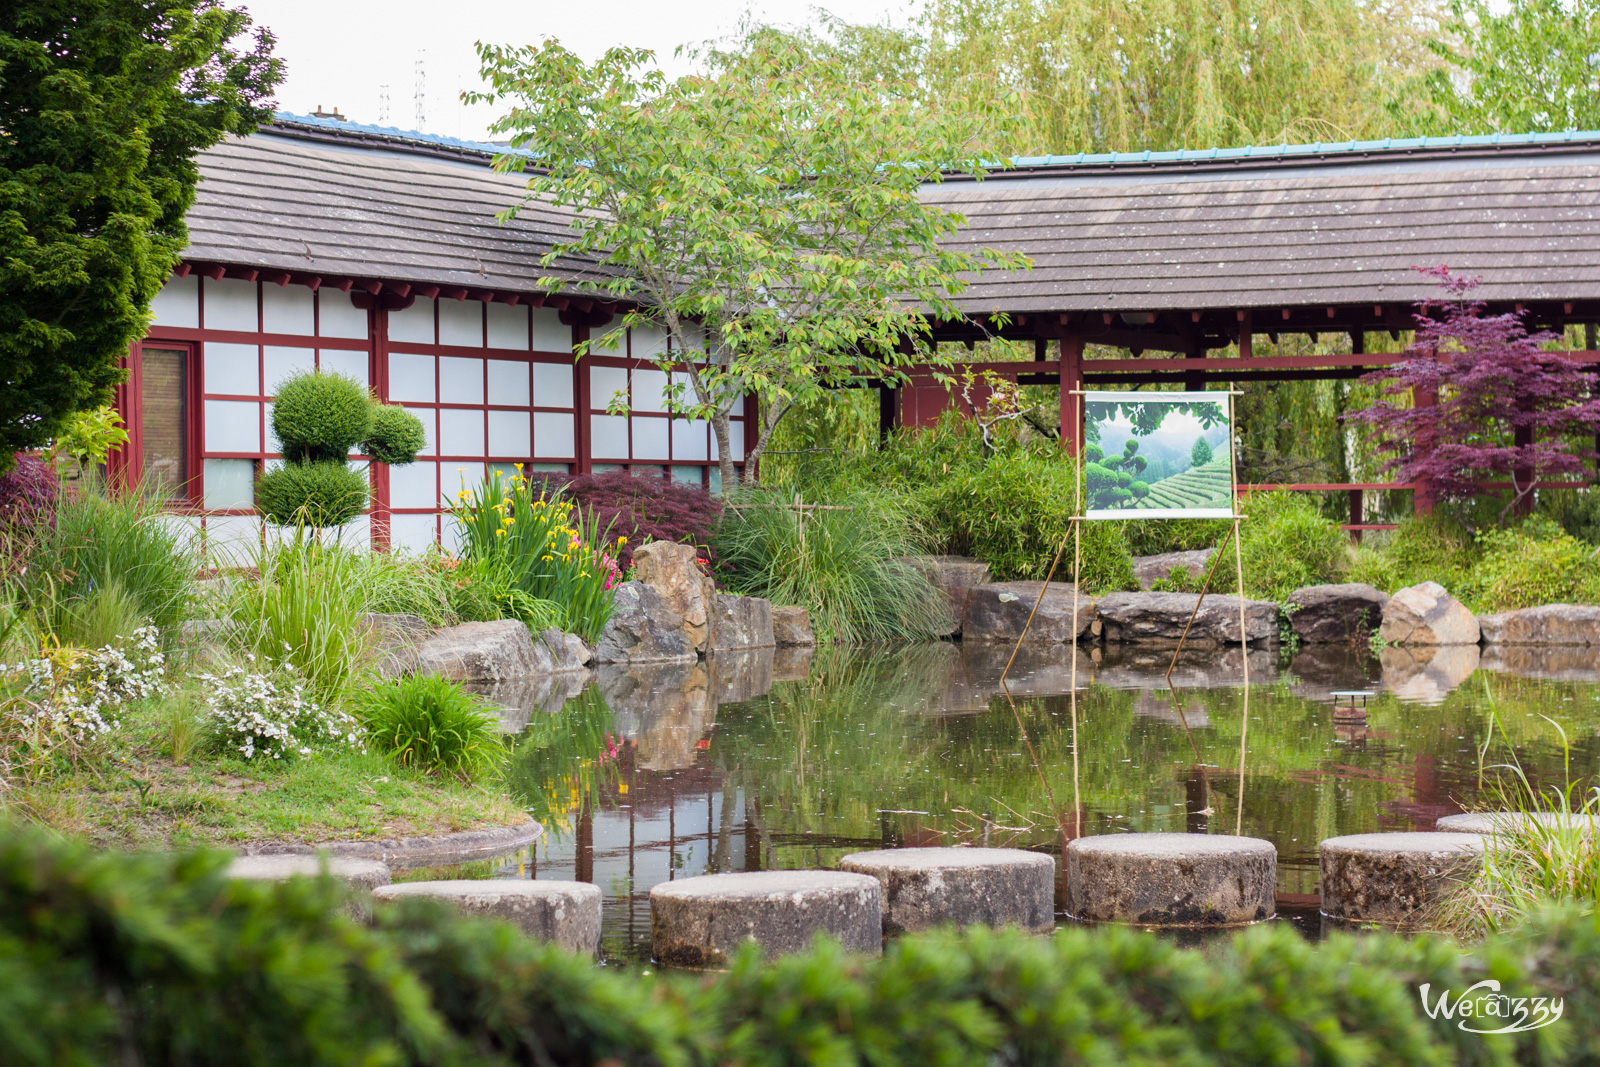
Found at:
(319, 243)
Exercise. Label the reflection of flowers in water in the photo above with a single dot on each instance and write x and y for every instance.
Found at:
(566, 761)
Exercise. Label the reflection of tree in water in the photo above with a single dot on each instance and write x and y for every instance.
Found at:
(860, 755)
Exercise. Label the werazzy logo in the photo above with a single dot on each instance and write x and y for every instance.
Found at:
(1484, 1003)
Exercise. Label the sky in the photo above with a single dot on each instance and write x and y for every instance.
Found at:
(346, 54)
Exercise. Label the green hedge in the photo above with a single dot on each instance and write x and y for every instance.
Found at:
(107, 958)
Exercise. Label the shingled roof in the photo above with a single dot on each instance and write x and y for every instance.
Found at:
(342, 200)
(1291, 226)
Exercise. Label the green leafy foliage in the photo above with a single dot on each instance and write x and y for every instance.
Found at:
(702, 193)
(1433, 548)
(433, 724)
(320, 417)
(1285, 543)
(159, 956)
(846, 565)
(320, 493)
(120, 547)
(395, 437)
(88, 437)
(1152, 537)
(1014, 512)
(1534, 563)
(1522, 67)
(104, 105)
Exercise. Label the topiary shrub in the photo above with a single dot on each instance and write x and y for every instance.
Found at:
(396, 435)
(312, 494)
(320, 417)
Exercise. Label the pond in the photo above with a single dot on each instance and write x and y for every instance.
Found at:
(756, 761)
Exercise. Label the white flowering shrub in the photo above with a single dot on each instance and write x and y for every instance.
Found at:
(74, 694)
(268, 713)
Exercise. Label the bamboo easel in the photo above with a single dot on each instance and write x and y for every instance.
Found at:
(1077, 574)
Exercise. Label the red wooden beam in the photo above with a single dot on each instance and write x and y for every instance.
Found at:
(242, 273)
(536, 300)
(371, 287)
(453, 293)
(513, 299)
(558, 302)
(181, 270)
(279, 278)
(344, 285)
(1317, 487)
(310, 281)
(400, 289)
(429, 291)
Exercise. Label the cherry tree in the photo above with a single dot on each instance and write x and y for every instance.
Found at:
(1504, 407)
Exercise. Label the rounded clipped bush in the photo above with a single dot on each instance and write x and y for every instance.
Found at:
(321, 416)
(326, 493)
(433, 724)
(395, 437)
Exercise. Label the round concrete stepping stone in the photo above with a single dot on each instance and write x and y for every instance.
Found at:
(701, 922)
(567, 913)
(927, 887)
(1171, 879)
(1392, 878)
(360, 874)
(1488, 822)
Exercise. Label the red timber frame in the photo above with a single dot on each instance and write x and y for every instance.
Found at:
(1189, 337)
(373, 352)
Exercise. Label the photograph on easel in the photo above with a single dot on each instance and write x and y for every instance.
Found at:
(1157, 455)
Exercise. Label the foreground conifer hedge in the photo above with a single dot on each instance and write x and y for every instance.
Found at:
(112, 959)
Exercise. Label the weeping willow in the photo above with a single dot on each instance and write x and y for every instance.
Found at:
(1131, 75)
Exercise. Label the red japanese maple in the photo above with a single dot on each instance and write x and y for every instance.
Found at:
(1505, 408)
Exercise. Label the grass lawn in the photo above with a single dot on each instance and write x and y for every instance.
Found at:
(154, 783)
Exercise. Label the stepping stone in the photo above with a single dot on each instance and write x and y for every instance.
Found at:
(1171, 879)
(927, 887)
(567, 913)
(702, 922)
(1488, 822)
(357, 873)
(1393, 878)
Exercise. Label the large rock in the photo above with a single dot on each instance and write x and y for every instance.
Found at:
(954, 576)
(1336, 614)
(1551, 624)
(567, 651)
(741, 622)
(998, 611)
(644, 629)
(672, 571)
(1426, 614)
(791, 628)
(1563, 663)
(483, 652)
(1160, 618)
(1151, 569)
(395, 641)
(740, 674)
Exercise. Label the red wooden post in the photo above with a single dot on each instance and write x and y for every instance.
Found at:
(378, 375)
(1355, 515)
(1423, 498)
(1071, 377)
(580, 394)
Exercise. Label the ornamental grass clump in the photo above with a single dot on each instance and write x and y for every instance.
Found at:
(541, 545)
(846, 564)
(432, 724)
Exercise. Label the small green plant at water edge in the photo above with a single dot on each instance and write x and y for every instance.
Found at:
(541, 546)
(433, 724)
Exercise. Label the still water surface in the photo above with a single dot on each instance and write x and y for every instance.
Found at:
(756, 762)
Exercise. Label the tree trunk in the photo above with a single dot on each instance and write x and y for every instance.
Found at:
(720, 430)
(771, 415)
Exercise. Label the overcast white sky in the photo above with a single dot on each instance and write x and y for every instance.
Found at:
(341, 53)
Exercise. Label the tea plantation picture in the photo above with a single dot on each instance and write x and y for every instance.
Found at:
(1157, 454)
